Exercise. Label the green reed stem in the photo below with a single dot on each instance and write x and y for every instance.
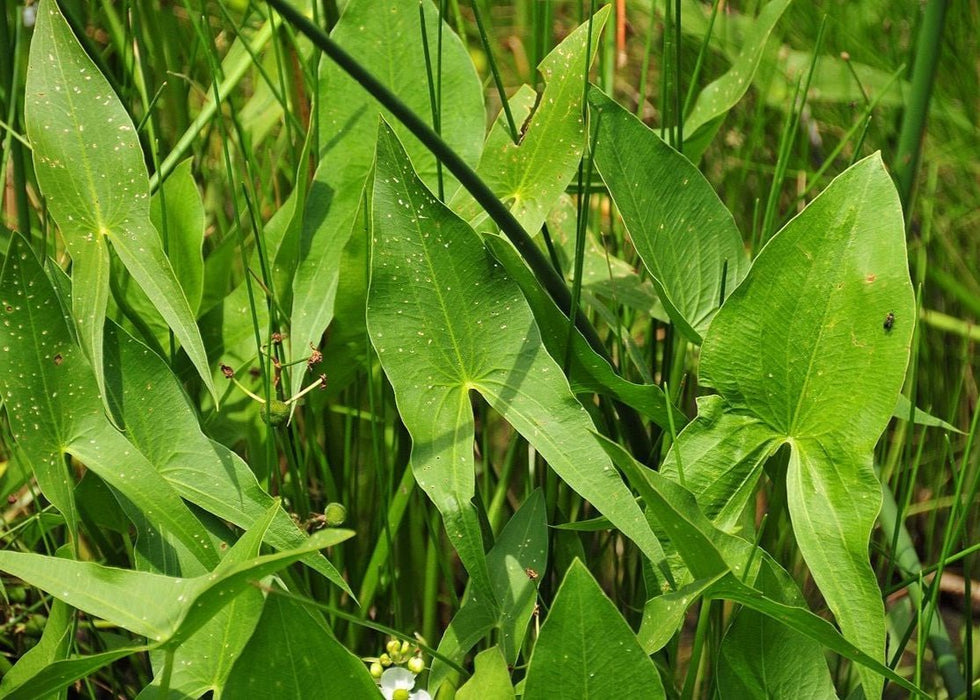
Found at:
(928, 44)
(497, 81)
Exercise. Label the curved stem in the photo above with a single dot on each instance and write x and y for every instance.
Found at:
(467, 177)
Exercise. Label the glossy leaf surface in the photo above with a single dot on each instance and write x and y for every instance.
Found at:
(90, 168)
(388, 44)
(801, 355)
(586, 649)
(446, 320)
(685, 236)
(49, 384)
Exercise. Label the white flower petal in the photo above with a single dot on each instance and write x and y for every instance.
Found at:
(396, 678)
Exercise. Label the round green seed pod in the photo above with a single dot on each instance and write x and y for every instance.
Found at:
(278, 413)
(334, 514)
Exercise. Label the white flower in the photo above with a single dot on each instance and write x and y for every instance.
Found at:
(397, 683)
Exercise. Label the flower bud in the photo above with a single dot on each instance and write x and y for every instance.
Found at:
(415, 664)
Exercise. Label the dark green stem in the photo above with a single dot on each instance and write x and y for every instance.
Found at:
(497, 210)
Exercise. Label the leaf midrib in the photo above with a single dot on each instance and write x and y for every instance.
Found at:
(101, 227)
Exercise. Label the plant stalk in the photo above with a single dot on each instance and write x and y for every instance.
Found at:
(909, 151)
(497, 210)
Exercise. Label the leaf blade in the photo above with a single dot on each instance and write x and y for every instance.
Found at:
(73, 117)
(445, 320)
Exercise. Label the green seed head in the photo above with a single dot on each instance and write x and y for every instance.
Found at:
(335, 514)
(278, 413)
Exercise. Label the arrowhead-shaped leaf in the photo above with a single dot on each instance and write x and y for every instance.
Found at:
(446, 320)
(90, 168)
(811, 351)
(531, 175)
(388, 44)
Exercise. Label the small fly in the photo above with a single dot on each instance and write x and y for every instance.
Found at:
(889, 321)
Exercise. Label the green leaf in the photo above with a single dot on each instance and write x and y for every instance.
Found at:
(293, 654)
(664, 614)
(61, 674)
(283, 233)
(204, 656)
(762, 657)
(161, 608)
(54, 407)
(801, 355)
(388, 44)
(531, 175)
(586, 649)
(814, 627)
(521, 546)
(721, 455)
(445, 320)
(587, 371)
(685, 236)
(90, 169)
(177, 214)
(490, 680)
(719, 560)
(142, 389)
(32, 354)
(604, 276)
(203, 662)
(718, 97)
(903, 411)
(696, 539)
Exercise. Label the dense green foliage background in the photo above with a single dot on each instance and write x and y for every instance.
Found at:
(249, 305)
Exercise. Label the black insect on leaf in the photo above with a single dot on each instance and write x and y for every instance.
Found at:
(889, 321)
